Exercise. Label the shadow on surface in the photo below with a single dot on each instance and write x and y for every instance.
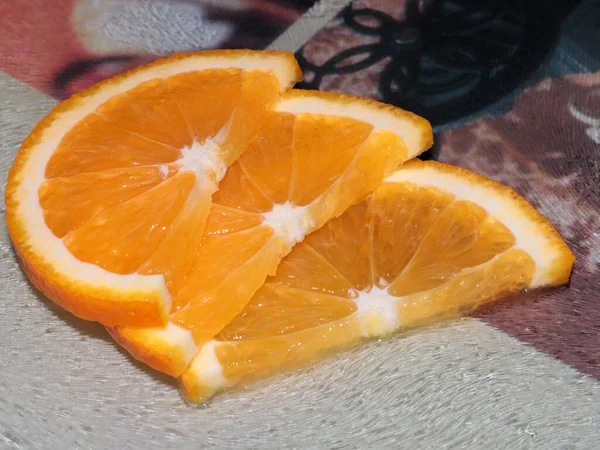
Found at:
(94, 330)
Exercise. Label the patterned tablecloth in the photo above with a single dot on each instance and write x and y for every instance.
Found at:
(520, 374)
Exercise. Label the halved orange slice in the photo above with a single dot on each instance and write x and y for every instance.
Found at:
(108, 196)
(432, 242)
(318, 154)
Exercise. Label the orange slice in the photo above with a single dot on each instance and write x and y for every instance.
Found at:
(108, 196)
(432, 242)
(318, 154)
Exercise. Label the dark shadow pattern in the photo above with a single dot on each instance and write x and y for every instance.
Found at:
(448, 59)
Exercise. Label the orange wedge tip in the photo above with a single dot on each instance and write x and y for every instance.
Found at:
(432, 242)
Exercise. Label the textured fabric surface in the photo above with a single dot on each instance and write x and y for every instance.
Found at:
(548, 149)
(522, 374)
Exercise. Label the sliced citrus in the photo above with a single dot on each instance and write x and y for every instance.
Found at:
(108, 196)
(318, 154)
(433, 241)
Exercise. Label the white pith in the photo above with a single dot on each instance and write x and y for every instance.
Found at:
(30, 214)
(291, 223)
(208, 368)
(185, 340)
(377, 311)
(202, 159)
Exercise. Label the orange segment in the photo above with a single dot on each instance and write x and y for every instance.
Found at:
(182, 238)
(462, 236)
(245, 353)
(95, 144)
(396, 241)
(510, 272)
(220, 283)
(260, 92)
(263, 337)
(323, 149)
(268, 313)
(311, 272)
(106, 240)
(149, 111)
(109, 195)
(239, 191)
(217, 257)
(268, 161)
(316, 155)
(345, 243)
(378, 155)
(476, 241)
(70, 202)
(244, 361)
(260, 354)
(224, 220)
(206, 99)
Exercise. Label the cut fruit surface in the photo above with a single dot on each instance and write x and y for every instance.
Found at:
(318, 154)
(432, 242)
(108, 197)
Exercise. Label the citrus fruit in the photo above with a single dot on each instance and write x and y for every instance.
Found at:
(108, 196)
(433, 241)
(318, 153)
